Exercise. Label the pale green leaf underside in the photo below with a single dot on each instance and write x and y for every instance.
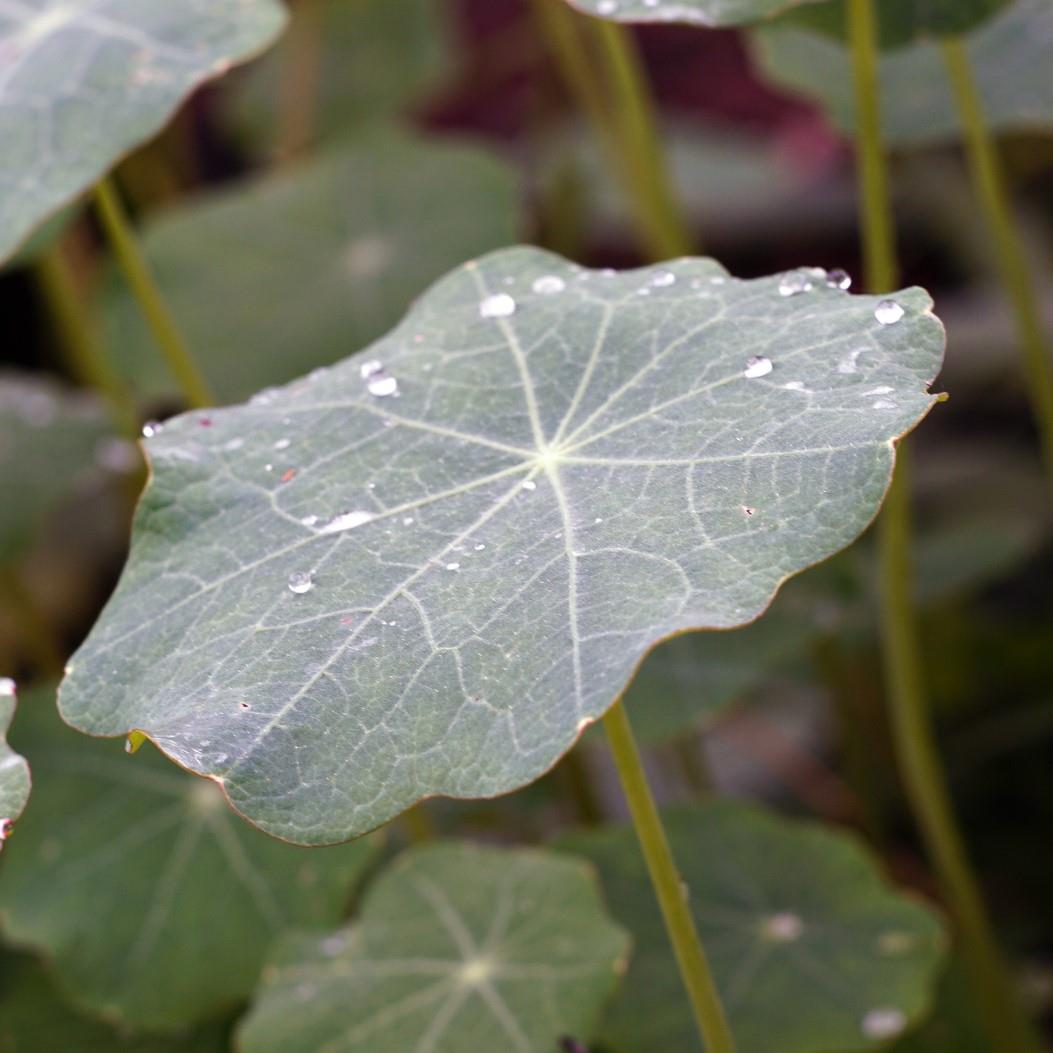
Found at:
(709, 13)
(277, 276)
(159, 905)
(457, 948)
(552, 492)
(50, 440)
(377, 58)
(805, 938)
(14, 772)
(1009, 56)
(83, 82)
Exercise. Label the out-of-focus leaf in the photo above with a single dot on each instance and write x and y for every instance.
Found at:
(158, 905)
(377, 57)
(14, 771)
(35, 1019)
(710, 13)
(283, 275)
(49, 438)
(812, 951)
(953, 1025)
(85, 83)
(1009, 56)
(430, 567)
(901, 21)
(457, 948)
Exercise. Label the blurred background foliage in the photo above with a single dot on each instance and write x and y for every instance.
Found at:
(293, 210)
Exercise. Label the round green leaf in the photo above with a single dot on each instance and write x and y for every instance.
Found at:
(50, 439)
(282, 275)
(34, 1019)
(429, 567)
(85, 83)
(457, 948)
(377, 58)
(14, 771)
(709, 13)
(901, 21)
(1009, 56)
(158, 906)
(811, 950)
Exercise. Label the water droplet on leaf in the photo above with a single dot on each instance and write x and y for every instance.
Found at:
(888, 312)
(346, 521)
(784, 927)
(301, 581)
(883, 1023)
(548, 285)
(8, 687)
(758, 366)
(500, 305)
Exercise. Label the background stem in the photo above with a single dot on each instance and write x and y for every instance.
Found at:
(300, 79)
(78, 340)
(990, 184)
(155, 311)
(694, 968)
(912, 732)
(617, 102)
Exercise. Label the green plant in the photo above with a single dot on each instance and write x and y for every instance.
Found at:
(421, 572)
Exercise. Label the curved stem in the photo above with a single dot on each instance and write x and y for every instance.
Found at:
(155, 311)
(912, 732)
(617, 102)
(79, 341)
(694, 968)
(990, 184)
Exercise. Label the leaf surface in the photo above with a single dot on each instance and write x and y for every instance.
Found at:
(281, 275)
(807, 941)
(85, 82)
(14, 771)
(457, 948)
(158, 905)
(709, 13)
(428, 568)
(1009, 57)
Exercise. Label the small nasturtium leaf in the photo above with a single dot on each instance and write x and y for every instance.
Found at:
(282, 275)
(50, 437)
(34, 1018)
(709, 13)
(85, 83)
(429, 567)
(14, 771)
(159, 906)
(810, 948)
(901, 21)
(378, 57)
(917, 104)
(457, 948)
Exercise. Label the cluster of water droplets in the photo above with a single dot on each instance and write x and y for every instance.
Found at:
(379, 382)
(805, 279)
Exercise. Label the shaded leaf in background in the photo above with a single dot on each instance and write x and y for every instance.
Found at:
(35, 1019)
(279, 276)
(377, 58)
(50, 437)
(811, 949)
(1009, 57)
(83, 84)
(901, 21)
(430, 567)
(158, 905)
(709, 13)
(14, 771)
(953, 1025)
(457, 948)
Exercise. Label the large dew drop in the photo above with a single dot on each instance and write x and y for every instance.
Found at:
(888, 312)
(500, 305)
(301, 581)
(756, 367)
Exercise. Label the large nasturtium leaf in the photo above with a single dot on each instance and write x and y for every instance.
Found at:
(429, 567)
(901, 21)
(158, 906)
(710, 13)
(14, 771)
(86, 81)
(49, 438)
(35, 1019)
(810, 948)
(1009, 57)
(457, 948)
(276, 277)
(377, 57)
